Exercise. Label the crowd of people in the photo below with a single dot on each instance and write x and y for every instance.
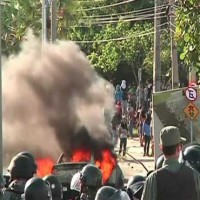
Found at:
(133, 114)
(176, 177)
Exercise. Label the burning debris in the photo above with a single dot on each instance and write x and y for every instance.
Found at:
(44, 166)
(53, 103)
(107, 163)
(81, 155)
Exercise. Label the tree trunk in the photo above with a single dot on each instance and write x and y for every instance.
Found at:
(134, 73)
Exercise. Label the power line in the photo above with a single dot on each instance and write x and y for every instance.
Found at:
(124, 17)
(128, 20)
(111, 22)
(94, 1)
(109, 6)
(145, 10)
(122, 38)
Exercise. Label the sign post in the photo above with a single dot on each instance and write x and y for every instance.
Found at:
(191, 110)
(191, 130)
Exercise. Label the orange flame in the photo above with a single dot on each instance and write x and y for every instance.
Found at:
(107, 164)
(81, 155)
(44, 166)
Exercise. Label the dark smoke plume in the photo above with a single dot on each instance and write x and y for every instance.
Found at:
(49, 97)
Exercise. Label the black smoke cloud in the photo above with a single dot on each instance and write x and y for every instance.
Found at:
(48, 97)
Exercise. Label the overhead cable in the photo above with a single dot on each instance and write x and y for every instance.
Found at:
(109, 6)
(83, 24)
(125, 17)
(125, 37)
(127, 20)
(145, 10)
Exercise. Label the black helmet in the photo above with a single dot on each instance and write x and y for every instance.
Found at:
(191, 156)
(110, 193)
(37, 189)
(159, 161)
(20, 167)
(32, 159)
(134, 180)
(137, 189)
(55, 186)
(91, 176)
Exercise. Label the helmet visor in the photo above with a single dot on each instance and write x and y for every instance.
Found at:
(76, 182)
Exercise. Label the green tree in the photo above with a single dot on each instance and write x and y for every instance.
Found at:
(188, 31)
(83, 21)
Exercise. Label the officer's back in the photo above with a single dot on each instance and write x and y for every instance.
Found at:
(21, 170)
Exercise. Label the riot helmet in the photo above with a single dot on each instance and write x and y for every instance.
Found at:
(20, 167)
(159, 162)
(191, 156)
(91, 176)
(91, 181)
(137, 189)
(135, 179)
(110, 193)
(116, 179)
(55, 186)
(75, 183)
(32, 159)
(37, 189)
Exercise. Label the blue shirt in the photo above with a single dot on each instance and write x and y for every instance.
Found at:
(146, 129)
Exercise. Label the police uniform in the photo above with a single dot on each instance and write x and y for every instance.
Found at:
(174, 181)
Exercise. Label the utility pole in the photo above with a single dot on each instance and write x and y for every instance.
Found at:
(156, 70)
(140, 80)
(53, 21)
(1, 129)
(44, 22)
(157, 49)
(174, 56)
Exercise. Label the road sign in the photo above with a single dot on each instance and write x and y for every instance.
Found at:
(191, 111)
(191, 94)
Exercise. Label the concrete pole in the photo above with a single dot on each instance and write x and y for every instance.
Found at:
(156, 71)
(140, 80)
(1, 131)
(53, 21)
(44, 22)
(157, 49)
(174, 55)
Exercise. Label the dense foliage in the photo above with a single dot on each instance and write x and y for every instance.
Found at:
(188, 31)
(116, 36)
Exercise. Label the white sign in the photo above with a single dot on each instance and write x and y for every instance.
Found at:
(191, 94)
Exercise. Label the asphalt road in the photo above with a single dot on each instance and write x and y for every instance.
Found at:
(134, 163)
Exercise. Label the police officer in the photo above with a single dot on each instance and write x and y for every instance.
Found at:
(135, 179)
(75, 186)
(91, 181)
(37, 189)
(55, 186)
(174, 181)
(110, 193)
(191, 157)
(20, 169)
(135, 186)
